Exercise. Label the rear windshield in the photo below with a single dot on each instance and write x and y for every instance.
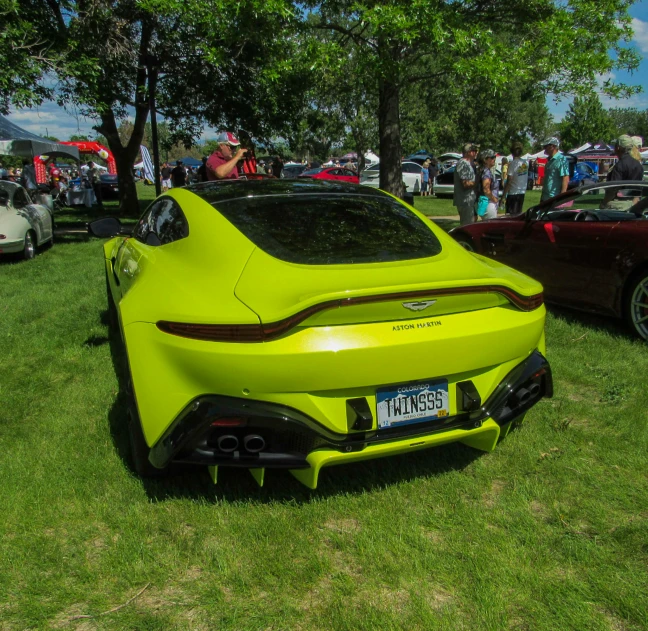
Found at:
(332, 229)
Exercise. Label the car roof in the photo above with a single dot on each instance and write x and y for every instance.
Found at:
(213, 192)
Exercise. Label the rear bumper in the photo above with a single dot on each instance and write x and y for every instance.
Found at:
(11, 247)
(296, 441)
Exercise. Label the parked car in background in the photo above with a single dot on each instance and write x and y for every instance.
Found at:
(587, 257)
(336, 174)
(339, 326)
(109, 186)
(293, 170)
(448, 160)
(24, 225)
(444, 183)
(411, 176)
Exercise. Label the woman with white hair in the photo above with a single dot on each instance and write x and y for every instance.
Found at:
(635, 152)
(488, 186)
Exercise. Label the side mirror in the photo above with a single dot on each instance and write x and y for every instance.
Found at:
(106, 227)
(4, 197)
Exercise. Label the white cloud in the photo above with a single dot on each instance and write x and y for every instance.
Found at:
(51, 120)
(640, 34)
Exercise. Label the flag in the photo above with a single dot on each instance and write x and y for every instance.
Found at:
(148, 164)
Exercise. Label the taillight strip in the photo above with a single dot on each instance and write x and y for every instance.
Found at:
(273, 330)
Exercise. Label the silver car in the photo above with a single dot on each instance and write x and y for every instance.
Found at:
(24, 225)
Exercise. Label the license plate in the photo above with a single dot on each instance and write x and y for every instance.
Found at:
(412, 403)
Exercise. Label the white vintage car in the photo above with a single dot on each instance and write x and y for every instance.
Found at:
(412, 177)
(24, 225)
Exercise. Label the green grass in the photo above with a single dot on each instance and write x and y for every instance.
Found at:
(442, 206)
(548, 532)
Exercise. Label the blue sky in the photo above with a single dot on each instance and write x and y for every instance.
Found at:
(49, 119)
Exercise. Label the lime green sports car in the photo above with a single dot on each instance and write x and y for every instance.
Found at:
(304, 324)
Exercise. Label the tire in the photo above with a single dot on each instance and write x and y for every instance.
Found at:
(466, 243)
(113, 320)
(636, 304)
(139, 450)
(29, 249)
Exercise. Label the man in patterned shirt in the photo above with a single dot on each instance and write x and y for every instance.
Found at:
(464, 184)
(556, 177)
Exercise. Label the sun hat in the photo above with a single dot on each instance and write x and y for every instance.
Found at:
(227, 138)
(551, 141)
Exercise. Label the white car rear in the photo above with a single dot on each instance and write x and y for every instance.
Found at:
(412, 176)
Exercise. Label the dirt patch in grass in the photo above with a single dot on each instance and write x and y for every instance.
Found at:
(342, 525)
(539, 510)
(491, 497)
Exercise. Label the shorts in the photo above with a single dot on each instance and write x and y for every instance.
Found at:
(166, 183)
(424, 186)
(466, 213)
(491, 211)
(514, 204)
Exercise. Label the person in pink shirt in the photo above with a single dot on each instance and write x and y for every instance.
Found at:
(221, 165)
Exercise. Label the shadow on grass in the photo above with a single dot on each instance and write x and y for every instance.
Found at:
(237, 484)
(597, 323)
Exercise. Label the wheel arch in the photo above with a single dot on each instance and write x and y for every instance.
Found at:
(459, 233)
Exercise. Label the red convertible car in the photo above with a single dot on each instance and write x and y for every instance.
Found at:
(588, 247)
(336, 174)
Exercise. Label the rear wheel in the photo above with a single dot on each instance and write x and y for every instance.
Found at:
(636, 307)
(139, 450)
(466, 243)
(29, 249)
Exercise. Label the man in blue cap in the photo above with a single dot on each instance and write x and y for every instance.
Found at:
(556, 175)
(221, 165)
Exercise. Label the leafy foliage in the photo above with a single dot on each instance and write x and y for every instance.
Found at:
(586, 121)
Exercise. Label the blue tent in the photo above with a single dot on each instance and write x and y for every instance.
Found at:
(190, 162)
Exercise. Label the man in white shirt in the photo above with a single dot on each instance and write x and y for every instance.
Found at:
(516, 183)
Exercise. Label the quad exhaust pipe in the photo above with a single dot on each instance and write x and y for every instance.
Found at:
(228, 443)
(524, 395)
(252, 443)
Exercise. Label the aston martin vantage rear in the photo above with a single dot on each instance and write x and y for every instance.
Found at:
(299, 325)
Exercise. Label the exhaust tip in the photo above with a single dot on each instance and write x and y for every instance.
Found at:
(534, 389)
(254, 443)
(523, 396)
(227, 443)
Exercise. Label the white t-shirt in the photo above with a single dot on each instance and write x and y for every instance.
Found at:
(518, 174)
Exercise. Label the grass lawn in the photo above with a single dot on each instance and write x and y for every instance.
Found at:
(442, 206)
(549, 532)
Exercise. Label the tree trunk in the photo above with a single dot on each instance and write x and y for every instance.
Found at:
(125, 158)
(391, 176)
(125, 155)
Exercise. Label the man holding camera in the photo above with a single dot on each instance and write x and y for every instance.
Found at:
(221, 165)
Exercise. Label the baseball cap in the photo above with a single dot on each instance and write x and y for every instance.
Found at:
(551, 141)
(227, 138)
(637, 141)
(470, 146)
